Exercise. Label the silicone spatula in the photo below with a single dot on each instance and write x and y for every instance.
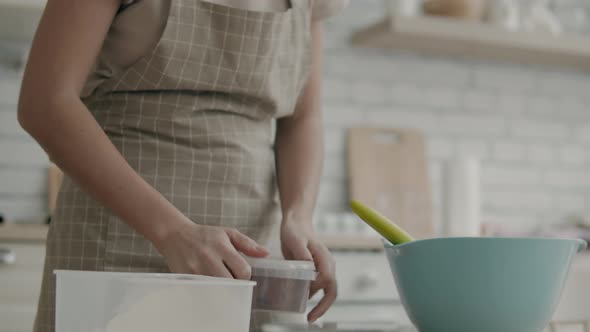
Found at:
(380, 223)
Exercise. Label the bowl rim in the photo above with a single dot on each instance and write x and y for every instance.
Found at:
(582, 244)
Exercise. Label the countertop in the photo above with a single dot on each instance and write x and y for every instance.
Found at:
(38, 233)
(24, 232)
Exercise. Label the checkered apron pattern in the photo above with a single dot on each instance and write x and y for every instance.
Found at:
(194, 117)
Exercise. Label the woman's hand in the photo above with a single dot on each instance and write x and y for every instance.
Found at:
(208, 250)
(299, 242)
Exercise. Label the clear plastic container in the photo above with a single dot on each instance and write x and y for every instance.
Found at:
(147, 302)
(349, 327)
(281, 285)
(262, 318)
(281, 292)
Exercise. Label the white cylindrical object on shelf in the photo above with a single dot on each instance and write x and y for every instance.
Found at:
(349, 223)
(403, 7)
(505, 13)
(462, 197)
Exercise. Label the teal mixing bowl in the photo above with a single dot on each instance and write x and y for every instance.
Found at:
(481, 284)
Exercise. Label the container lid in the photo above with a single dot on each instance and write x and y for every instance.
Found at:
(139, 277)
(279, 268)
(365, 327)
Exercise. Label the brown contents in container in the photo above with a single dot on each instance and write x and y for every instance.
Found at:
(280, 294)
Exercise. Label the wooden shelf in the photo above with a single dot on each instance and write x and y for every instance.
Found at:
(23, 232)
(19, 19)
(449, 37)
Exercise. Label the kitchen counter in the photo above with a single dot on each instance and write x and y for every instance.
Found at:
(23, 233)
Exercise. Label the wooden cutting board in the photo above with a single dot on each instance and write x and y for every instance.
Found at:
(389, 172)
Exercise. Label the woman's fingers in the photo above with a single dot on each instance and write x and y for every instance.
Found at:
(322, 258)
(326, 280)
(299, 251)
(245, 244)
(210, 250)
(238, 266)
(218, 269)
(331, 292)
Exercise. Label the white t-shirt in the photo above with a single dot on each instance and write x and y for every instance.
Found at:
(321, 8)
(140, 23)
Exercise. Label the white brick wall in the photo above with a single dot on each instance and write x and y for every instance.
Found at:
(480, 100)
(530, 125)
(539, 130)
(22, 162)
(539, 154)
(507, 78)
(508, 151)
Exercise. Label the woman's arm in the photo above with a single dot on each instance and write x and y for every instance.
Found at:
(65, 47)
(299, 158)
(68, 40)
(300, 145)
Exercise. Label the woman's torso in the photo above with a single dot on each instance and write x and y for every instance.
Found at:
(191, 108)
(193, 116)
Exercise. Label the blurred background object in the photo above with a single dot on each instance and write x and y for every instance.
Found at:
(504, 13)
(462, 197)
(573, 15)
(539, 17)
(405, 7)
(470, 10)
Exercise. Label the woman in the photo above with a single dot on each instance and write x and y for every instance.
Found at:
(161, 114)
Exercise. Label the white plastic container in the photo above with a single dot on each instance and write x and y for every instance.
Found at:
(147, 302)
(281, 292)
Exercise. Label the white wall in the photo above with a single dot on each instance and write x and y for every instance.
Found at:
(529, 125)
(23, 165)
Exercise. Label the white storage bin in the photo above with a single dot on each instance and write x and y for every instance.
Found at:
(147, 302)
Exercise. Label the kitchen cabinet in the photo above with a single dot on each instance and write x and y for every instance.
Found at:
(19, 19)
(573, 313)
(391, 314)
(364, 276)
(20, 279)
(366, 291)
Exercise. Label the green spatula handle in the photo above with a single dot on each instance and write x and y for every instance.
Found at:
(381, 224)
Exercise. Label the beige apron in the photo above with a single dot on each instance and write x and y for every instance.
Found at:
(194, 118)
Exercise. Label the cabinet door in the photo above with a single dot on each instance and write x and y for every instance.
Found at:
(20, 282)
(391, 315)
(363, 276)
(575, 299)
(16, 318)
